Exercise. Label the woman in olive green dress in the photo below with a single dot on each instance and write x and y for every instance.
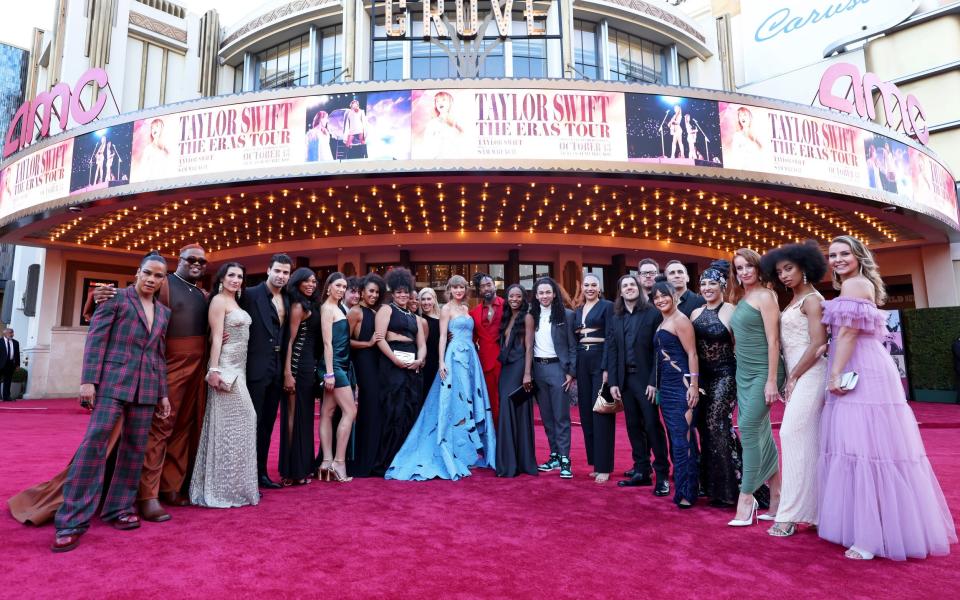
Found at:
(756, 331)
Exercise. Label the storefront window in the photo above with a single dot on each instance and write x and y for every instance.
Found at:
(635, 59)
(585, 55)
(683, 65)
(284, 65)
(530, 272)
(330, 56)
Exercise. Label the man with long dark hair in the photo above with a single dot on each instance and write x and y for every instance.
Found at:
(554, 367)
(633, 379)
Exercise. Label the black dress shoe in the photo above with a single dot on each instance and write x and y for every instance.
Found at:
(662, 489)
(265, 482)
(636, 481)
(630, 473)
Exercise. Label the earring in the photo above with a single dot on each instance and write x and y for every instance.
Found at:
(861, 270)
(804, 279)
(219, 288)
(239, 292)
(740, 283)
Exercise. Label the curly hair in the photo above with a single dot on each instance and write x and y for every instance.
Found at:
(557, 312)
(807, 256)
(400, 278)
(381, 287)
(868, 266)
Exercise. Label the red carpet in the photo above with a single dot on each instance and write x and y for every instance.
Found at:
(478, 538)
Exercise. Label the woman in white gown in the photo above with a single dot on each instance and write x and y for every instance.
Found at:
(225, 474)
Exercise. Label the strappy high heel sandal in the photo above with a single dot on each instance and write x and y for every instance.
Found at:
(855, 553)
(336, 474)
(323, 472)
(783, 529)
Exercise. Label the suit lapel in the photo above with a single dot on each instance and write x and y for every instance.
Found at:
(267, 312)
(138, 306)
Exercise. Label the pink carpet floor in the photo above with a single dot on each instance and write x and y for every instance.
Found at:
(482, 537)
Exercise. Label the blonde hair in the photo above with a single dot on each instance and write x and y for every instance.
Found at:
(436, 301)
(457, 280)
(868, 266)
(735, 289)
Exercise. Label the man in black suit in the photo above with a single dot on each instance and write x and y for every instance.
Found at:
(688, 301)
(632, 376)
(268, 307)
(9, 361)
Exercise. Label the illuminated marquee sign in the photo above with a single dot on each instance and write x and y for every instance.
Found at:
(70, 106)
(467, 18)
(912, 121)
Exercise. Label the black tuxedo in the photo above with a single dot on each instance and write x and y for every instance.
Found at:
(266, 352)
(8, 364)
(644, 427)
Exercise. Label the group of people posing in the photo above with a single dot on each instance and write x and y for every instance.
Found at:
(413, 390)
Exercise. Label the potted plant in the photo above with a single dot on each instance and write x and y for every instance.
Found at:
(19, 383)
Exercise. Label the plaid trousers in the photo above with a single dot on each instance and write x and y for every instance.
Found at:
(84, 485)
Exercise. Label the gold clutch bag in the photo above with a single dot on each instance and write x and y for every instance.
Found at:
(605, 404)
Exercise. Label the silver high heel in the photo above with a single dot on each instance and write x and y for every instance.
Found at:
(749, 520)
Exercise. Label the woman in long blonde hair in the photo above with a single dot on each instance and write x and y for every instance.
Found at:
(878, 494)
(455, 428)
(430, 315)
(756, 330)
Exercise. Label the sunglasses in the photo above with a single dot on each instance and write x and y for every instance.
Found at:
(193, 260)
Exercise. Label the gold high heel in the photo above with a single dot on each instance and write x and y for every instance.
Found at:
(336, 475)
(323, 472)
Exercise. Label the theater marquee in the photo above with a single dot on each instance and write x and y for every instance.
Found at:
(460, 126)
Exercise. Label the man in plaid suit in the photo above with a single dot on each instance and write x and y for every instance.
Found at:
(124, 376)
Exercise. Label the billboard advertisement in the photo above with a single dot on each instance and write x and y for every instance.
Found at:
(515, 123)
(219, 139)
(497, 124)
(673, 130)
(36, 178)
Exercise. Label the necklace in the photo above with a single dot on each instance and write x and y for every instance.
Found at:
(193, 286)
(403, 310)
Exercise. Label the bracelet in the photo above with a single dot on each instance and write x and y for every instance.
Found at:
(214, 370)
(693, 374)
(329, 375)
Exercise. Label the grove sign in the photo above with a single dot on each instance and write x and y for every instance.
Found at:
(397, 19)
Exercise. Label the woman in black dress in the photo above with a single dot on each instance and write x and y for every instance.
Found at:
(403, 349)
(430, 313)
(720, 462)
(366, 364)
(300, 379)
(516, 448)
(590, 327)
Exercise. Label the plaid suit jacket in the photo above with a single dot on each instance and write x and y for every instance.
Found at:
(124, 360)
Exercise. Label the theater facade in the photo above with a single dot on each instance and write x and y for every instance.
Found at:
(556, 137)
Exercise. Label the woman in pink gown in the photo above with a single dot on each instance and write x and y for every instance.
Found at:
(878, 494)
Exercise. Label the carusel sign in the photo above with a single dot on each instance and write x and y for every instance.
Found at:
(785, 35)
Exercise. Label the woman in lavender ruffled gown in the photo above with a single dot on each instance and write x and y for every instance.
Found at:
(878, 495)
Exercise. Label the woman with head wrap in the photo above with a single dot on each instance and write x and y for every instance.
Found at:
(719, 447)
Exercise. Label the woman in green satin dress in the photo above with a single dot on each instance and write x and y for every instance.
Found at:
(756, 331)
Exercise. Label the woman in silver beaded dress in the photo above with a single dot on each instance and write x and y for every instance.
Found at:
(225, 474)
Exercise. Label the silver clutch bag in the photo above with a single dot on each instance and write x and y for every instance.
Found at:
(404, 356)
(848, 380)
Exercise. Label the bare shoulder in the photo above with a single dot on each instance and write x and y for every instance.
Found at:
(858, 287)
(697, 312)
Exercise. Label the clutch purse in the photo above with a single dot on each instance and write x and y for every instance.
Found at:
(848, 380)
(404, 356)
(520, 395)
(230, 379)
(605, 403)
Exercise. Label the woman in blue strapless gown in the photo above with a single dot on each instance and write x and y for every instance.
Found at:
(455, 428)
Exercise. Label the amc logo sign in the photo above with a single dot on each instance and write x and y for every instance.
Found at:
(912, 119)
(42, 109)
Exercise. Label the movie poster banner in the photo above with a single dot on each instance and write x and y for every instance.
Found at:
(101, 159)
(373, 125)
(36, 178)
(785, 143)
(219, 139)
(933, 186)
(515, 123)
(673, 130)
